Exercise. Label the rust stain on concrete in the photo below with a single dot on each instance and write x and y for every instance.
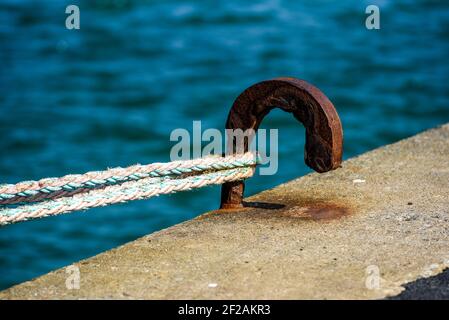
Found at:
(303, 209)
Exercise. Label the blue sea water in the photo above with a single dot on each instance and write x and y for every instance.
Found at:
(110, 93)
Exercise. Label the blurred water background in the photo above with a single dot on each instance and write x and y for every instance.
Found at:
(110, 93)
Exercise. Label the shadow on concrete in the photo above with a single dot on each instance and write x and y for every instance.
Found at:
(432, 288)
(263, 205)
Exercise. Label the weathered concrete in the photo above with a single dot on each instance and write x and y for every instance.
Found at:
(388, 208)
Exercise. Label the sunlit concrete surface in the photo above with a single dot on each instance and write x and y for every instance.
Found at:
(362, 231)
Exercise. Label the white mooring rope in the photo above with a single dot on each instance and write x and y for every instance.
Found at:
(55, 196)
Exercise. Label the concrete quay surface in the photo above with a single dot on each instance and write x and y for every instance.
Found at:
(363, 231)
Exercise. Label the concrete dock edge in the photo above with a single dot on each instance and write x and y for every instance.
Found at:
(360, 232)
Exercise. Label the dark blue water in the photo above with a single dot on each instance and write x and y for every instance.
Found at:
(110, 93)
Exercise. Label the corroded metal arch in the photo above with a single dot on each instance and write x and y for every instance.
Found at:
(324, 134)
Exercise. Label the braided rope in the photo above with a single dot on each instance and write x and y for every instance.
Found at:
(131, 190)
(69, 185)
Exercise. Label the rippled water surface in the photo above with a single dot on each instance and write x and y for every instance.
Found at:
(110, 93)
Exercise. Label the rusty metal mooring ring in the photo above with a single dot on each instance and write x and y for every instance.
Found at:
(324, 134)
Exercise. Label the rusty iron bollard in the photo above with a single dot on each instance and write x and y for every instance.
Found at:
(324, 134)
